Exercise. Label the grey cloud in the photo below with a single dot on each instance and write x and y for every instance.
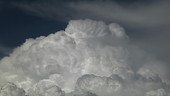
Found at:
(89, 58)
(121, 87)
(158, 92)
(147, 23)
(5, 51)
(10, 89)
(56, 10)
(141, 15)
(147, 26)
(46, 88)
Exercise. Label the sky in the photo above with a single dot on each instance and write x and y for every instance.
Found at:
(47, 43)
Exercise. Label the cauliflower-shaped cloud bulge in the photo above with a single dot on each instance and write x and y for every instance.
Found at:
(159, 92)
(97, 84)
(11, 89)
(89, 58)
(46, 88)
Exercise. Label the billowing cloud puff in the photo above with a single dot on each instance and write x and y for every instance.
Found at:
(97, 84)
(89, 58)
(158, 92)
(46, 88)
(11, 89)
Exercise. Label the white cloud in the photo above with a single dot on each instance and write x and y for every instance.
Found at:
(158, 92)
(147, 23)
(63, 63)
(4, 51)
(11, 89)
(46, 88)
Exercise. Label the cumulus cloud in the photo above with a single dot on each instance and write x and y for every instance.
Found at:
(147, 21)
(159, 92)
(4, 51)
(89, 58)
(46, 88)
(11, 89)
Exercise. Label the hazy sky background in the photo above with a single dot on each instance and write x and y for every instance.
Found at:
(145, 21)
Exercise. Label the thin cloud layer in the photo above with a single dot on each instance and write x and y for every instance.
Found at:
(89, 58)
(138, 15)
(153, 14)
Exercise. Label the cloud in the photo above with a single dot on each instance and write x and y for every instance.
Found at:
(47, 9)
(136, 14)
(89, 58)
(47, 88)
(11, 89)
(159, 92)
(147, 21)
(4, 51)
